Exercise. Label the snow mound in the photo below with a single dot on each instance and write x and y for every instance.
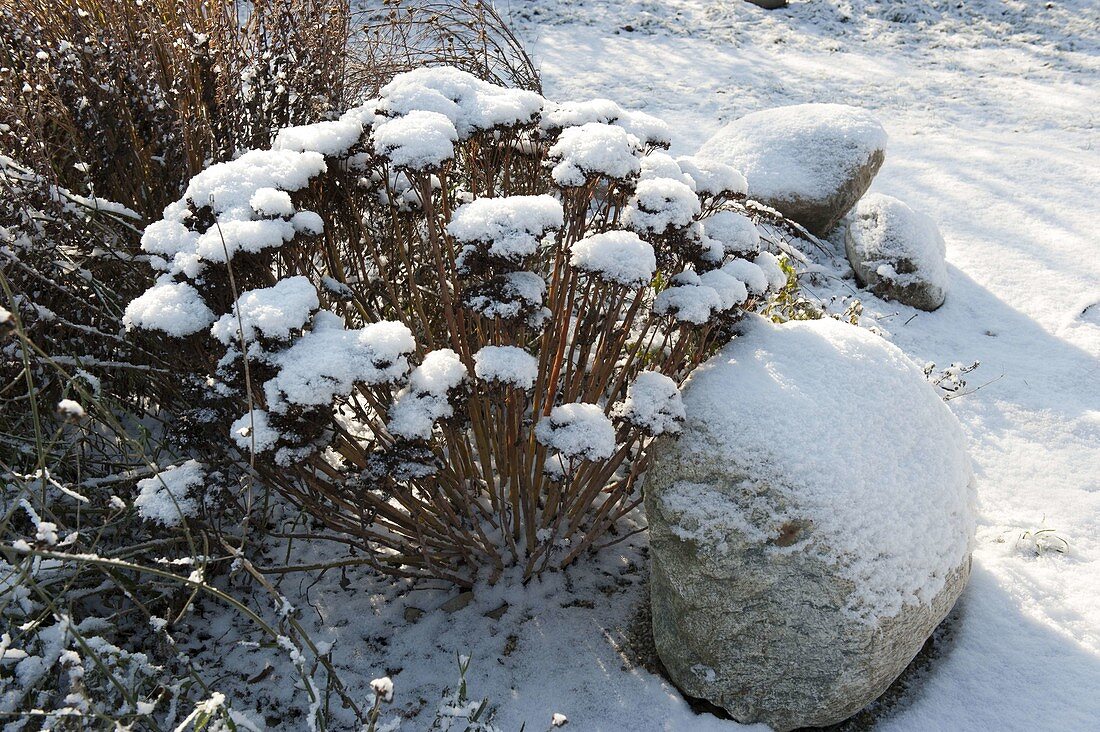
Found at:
(331, 138)
(419, 140)
(690, 303)
(253, 431)
(329, 361)
(240, 194)
(736, 232)
(850, 436)
(773, 272)
(653, 403)
(227, 187)
(711, 178)
(469, 103)
(558, 115)
(748, 272)
(426, 400)
(70, 409)
(731, 291)
(271, 202)
(659, 164)
(803, 150)
(661, 204)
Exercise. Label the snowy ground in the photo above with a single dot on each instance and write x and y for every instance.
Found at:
(991, 110)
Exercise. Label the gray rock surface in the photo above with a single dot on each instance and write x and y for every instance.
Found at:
(752, 605)
(896, 252)
(811, 162)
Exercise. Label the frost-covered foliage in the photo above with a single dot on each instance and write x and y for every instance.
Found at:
(65, 277)
(453, 318)
(102, 555)
(100, 566)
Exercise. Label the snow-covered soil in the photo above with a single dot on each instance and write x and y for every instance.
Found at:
(992, 113)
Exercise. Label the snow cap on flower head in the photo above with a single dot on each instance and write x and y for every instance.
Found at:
(577, 431)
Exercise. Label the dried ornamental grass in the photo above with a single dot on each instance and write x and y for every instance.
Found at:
(401, 35)
(107, 109)
(133, 97)
(448, 323)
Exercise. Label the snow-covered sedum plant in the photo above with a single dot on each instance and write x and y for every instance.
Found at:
(448, 322)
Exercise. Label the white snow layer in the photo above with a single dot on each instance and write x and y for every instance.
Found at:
(691, 302)
(425, 401)
(507, 365)
(735, 231)
(469, 103)
(328, 361)
(228, 187)
(731, 291)
(168, 497)
(773, 272)
(848, 430)
(271, 202)
(578, 431)
(885, 231)
(70, 409)
(615, 256)
(419, 140)
(511, 226)
(240, 192)
(653, 403)
(254, 431)
(273, 312)
(661, 204)
(647, 128)
(594, 149)
(711, 177)
(801, 150)
(659, 164)
(748, 272)
(173, 307)
(332, 138)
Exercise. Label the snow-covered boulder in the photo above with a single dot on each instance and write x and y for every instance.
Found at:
(811, 525)
(897, 252)
(811, 162)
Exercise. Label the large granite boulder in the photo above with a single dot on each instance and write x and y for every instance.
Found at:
(810, 527)
(811, 162)
(897, 252)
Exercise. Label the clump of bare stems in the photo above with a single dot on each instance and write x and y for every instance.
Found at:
(486, 484)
